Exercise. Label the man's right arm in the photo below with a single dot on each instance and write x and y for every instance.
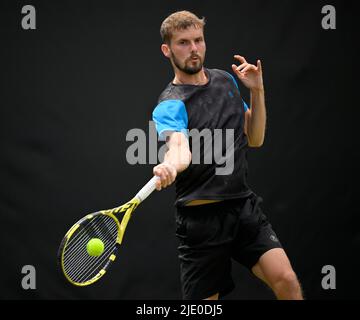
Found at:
(177, 159)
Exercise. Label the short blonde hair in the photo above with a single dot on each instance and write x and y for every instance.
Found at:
(179, 20)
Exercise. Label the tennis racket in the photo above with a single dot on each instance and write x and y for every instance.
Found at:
(82, 269)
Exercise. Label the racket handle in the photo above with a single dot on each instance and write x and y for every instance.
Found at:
(147, 189)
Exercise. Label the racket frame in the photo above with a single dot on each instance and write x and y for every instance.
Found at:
(128, 209)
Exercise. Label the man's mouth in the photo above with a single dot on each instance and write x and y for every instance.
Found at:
(194, 58)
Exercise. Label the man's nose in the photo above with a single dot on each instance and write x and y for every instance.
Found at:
(194, 46)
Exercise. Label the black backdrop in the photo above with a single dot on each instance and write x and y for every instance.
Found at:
(92, 70)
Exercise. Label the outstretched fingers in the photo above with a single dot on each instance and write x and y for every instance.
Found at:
(240, 58)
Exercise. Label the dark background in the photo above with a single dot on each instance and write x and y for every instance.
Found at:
(93, 70)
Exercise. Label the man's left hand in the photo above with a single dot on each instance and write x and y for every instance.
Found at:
(249, 74)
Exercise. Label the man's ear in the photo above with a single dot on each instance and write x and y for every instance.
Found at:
(166, 50)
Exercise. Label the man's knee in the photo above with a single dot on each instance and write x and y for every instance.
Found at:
(286, 278)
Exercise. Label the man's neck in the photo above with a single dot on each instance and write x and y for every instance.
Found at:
(197, 79)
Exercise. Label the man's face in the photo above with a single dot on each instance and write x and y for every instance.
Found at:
(187, 50)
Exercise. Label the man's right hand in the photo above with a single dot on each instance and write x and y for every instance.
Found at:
(167, 174)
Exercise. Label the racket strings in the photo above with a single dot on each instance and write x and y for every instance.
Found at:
(78, 243)
(78, 264)
(85, 265)
(82, 237)
(82, 267)
(78, 254)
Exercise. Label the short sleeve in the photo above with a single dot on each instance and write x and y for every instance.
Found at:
(246, 107)
(170, 115)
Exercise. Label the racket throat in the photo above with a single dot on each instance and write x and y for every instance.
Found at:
(123, 225)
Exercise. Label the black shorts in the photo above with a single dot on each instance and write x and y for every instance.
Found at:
(211, 234)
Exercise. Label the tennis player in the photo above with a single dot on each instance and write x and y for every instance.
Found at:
(218, 216)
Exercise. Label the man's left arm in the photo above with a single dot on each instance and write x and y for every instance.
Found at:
(255, 117)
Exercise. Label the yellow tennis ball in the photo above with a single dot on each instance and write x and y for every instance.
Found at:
(95, 247)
